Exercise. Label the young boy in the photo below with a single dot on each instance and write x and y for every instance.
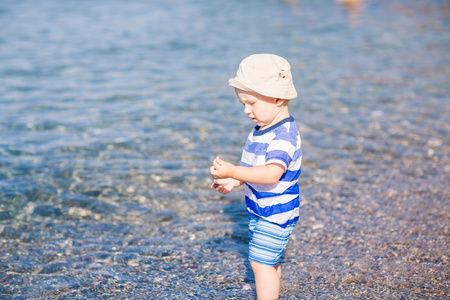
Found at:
(270, 165)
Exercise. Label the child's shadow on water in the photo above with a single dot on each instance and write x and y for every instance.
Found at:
(236, 239)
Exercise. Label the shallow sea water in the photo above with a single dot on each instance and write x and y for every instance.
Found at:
(112, 111)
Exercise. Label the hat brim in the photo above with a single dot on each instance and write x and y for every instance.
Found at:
(279, 92)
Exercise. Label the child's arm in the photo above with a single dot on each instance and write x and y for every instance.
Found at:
(267, 174)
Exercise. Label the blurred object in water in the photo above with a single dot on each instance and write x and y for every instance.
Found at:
(354, 9)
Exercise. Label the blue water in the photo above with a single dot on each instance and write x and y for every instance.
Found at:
(112, 111)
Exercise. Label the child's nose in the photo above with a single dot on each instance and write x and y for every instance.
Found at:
(247, 110)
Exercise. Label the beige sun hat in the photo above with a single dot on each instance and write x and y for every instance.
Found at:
(266, 74)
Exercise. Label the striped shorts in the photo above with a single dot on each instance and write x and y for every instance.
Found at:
(267, 240)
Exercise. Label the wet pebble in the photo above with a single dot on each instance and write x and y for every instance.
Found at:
(47, 210)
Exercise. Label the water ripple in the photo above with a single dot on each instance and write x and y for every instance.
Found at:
(111, 112)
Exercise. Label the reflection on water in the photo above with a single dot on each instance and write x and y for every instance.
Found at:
(354, 8)
(110, 114)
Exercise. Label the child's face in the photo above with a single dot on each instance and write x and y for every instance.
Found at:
(260, 109)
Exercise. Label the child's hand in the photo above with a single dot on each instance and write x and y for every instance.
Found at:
(221, 169)
(224, 186)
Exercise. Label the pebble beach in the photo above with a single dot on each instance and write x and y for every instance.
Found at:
(111, 113)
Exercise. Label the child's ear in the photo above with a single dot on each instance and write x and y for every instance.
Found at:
(279, 102)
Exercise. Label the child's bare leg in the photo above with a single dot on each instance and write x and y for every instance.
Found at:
(278, 268)
(267, 281)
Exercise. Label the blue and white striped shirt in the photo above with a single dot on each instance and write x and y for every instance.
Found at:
(278, 202)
